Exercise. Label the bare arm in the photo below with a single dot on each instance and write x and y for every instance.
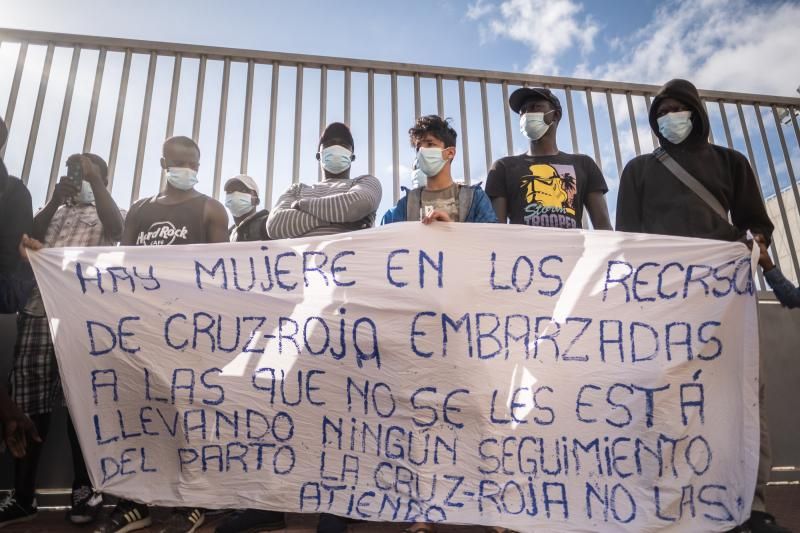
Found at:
(129, 228)
(215, 219)
(107, 209)
(359, 201)
(287, 223)
(598, 210)
(500, 205)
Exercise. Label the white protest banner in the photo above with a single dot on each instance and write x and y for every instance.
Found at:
(487, 374)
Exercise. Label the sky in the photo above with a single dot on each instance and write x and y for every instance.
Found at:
(732, 45)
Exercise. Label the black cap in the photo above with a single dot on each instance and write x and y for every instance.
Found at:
(337, 131)
(523, 94)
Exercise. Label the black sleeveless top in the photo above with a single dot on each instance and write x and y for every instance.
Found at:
(160, 224)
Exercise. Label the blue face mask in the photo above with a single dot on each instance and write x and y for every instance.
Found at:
(430, 161)
(182, 178)
(239, 203)
(335, 159)
(675, 127)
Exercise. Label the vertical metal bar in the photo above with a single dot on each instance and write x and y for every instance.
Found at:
(198, 99)
(12, 96)
(248, 111)
(725, 126)
(62, 125)
(778, 192)
(792, 114)
(572, 130)
(752, 159)
(487, 134)
(173, 103)
(439, 97)
(417, 98)
(371, 121)
(347, 84)
(710, 129)
(98, 85)
(323, 107)
(273, 115)
(507, 117)
(143, 126)
(223, 117)
(123, 92)
(37, 113)
(462, 101)
(652, 133)
(298, 123)
(395, 143)
(786, 157)
(614, 136)
(173, 95)
(634, 129)
(595, 140)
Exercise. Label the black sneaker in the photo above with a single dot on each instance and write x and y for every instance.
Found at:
(183, 520)
(248, 520)
(86, 505)
(126, 516)
(12, 512)
(761, 522)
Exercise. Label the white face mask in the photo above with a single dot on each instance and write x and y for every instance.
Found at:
(335, 159)
(418, 178)
(239, 203)
(86, 195)
(675, 127)
(182, 178)
(430, 161)
(533, 126)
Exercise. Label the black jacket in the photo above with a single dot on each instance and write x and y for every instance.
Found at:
(253, 228)
(16, 218)
(652, 200)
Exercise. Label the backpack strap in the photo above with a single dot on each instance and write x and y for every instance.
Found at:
(413, 204)
(690, 181)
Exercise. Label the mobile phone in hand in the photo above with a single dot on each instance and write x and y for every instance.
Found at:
(75, 173)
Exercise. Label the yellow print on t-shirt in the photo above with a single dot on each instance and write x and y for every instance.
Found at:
(546, 190)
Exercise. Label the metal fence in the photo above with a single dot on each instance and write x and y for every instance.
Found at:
(261, 113)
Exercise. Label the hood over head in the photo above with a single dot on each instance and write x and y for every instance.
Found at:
(686, 93)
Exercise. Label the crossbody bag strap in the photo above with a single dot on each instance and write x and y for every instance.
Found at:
(690, 181)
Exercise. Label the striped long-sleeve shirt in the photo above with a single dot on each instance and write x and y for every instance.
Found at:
(331, 206)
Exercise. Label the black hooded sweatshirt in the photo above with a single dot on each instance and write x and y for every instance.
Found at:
(652, 200)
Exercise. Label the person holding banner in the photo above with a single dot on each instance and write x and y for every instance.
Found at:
(177, 215)
(785, 291)
(691, 188)
(16, 279)
(440, 198)
(81, 212)
(545, 186)
(338, 204)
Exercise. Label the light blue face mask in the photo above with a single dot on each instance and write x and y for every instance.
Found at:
(182, 178)
(86, 195)
(239, 203)
(533, 126)
(418, 178)
(335, 159)
(430, 161)
(675, 127)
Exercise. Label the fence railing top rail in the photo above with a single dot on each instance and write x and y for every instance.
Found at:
(363, 65)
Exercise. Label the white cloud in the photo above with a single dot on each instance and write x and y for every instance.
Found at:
(734, 45)
(548, 27)
(479, 9)
(731, 45)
